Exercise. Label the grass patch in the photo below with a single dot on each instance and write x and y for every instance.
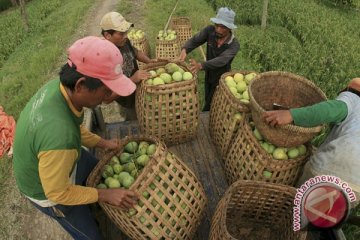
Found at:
(32, 63)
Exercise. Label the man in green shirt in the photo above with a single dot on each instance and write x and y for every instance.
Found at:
(339, 153)
(50, 166)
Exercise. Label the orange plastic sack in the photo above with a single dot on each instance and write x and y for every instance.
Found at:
(7, 132)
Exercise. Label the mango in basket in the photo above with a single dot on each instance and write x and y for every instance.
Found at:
(249, 77)
(107, 171)
(280, 154)
(187, 76)
(267, 174)
(238, 77)
(113, 183)
(131, 147)
(171, 67)
(293, 152)
(302, 149)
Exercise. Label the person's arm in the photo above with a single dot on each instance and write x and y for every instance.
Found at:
(331, 111)
(197, 40)
(142, 57)
(223, 58)
(55, 167)
(88, 139)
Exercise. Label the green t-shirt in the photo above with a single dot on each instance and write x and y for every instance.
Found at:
(46, 123)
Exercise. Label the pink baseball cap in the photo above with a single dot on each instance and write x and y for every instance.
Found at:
(99, 58)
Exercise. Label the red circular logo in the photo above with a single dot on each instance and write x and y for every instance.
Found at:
(325, 206)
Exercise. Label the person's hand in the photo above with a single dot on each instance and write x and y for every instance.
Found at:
(195, 66)
(111, 144)
(140, 75)
(278, 117)
(182, 56)
(154, 60)
(122, 198)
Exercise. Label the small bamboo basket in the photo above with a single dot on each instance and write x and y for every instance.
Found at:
(182, 26)
(175, 202)
(254, 210)
(222, 124)
(247, 160)
(289, 90)
(169, 50)
(169, 111)
(142, 45)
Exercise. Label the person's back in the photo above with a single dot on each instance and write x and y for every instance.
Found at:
(45, 116)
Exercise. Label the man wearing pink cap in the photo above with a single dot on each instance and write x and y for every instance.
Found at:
(339, 154)
(50, 166)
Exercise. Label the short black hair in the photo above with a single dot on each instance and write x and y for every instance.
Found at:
(110, 31)
(69, 77)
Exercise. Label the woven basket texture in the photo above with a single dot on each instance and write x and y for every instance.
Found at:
(169, 111)
(254, 210)
(174, 206)
(289, 90)
(182, 26)
(142, 45)
(222, 124)
(247, 160)
(169, 50)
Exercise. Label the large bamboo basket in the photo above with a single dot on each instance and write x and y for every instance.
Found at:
(247, 160)
(142, 45)
(182, 26)
(289, 90)
(170, 111)
(254, 210)
(224, 106)
(169, 50)
(176, 200)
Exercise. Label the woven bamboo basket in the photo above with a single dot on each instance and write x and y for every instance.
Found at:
(247, 160)
(142, 45)
(182, 26)
(254, 210)
(289, 90)
(169, 50)
(169, 111)
(175, 203)
(224, 106)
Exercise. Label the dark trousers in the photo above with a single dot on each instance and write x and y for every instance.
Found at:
(77, 220)
(209, 93)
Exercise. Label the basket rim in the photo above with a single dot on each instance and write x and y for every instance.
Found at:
(289, 127)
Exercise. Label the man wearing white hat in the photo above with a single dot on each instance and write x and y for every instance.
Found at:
(222, 47)
(50, 166)
(114, 28)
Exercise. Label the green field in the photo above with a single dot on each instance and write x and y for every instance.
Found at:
(316, 39)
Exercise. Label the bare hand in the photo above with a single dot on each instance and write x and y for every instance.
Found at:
(111, 144)
(154, 60)
(279, 117)
(118, 197)
(195, 66)
(140, 75)
(182, 56)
